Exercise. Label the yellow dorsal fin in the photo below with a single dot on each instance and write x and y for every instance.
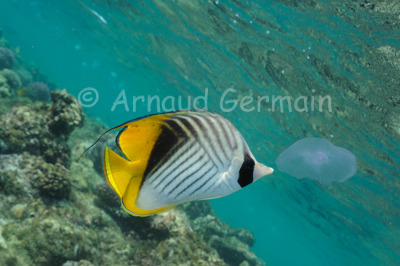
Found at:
(138, 138)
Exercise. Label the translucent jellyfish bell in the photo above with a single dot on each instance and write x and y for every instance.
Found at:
(319, 160)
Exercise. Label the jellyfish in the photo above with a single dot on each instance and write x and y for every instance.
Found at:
(319, 160)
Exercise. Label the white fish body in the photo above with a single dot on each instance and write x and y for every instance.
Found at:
(197, 156)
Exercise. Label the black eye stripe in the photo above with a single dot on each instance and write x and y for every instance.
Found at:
(246, 171)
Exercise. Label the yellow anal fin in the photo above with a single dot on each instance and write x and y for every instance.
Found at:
(129, 201)
(118, 171)
(125, 178)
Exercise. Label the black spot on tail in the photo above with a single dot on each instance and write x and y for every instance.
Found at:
(246, 171)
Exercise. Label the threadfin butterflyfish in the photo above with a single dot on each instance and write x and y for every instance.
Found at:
(176, 157)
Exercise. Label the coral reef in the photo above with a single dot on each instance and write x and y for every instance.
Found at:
(5, 90)
(38, 91)
(177, 225)
(77, 263)
(14, 180)
(24, 74)
(9, 83)
(54, 240)
(78, 219)
(13, 80)
(76, 233)
(232, 245)
(182, 246)
(233, 251)
(66, 113)
(51, 180)
(196, 209)
(24, 128)
(6, 58)
(35, 129)
(108, 200)
(26, 174)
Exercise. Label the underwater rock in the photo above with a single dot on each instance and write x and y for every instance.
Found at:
(66, 113)
(106, 197)
(24, 74)
(41, 129)
(245, 236)
(24, 128)
(13, 80)
(395, 124)
(78, 263)
(210, 225)
(109, 201)
(29, 175)
(53, 241)
(233, 251)
(188, 249)
(195, 209)
(388, 7)
(55, 151)
(18, 210)
(5, 90)
(212, 229)
(172, 222)
(182, 244)
(154, 227)
(13, 177)
(390, 55)
(38, 91)
(11, 258)
(173, 230)
(6, 58)
(83, 176)
(52, 180)
(366, 4)
(300, 3)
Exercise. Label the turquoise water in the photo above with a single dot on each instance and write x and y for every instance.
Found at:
(259, 48)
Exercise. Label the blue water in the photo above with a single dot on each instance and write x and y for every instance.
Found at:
(259, 48)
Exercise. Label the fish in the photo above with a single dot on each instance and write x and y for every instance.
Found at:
(177, 157)
(21, 91)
